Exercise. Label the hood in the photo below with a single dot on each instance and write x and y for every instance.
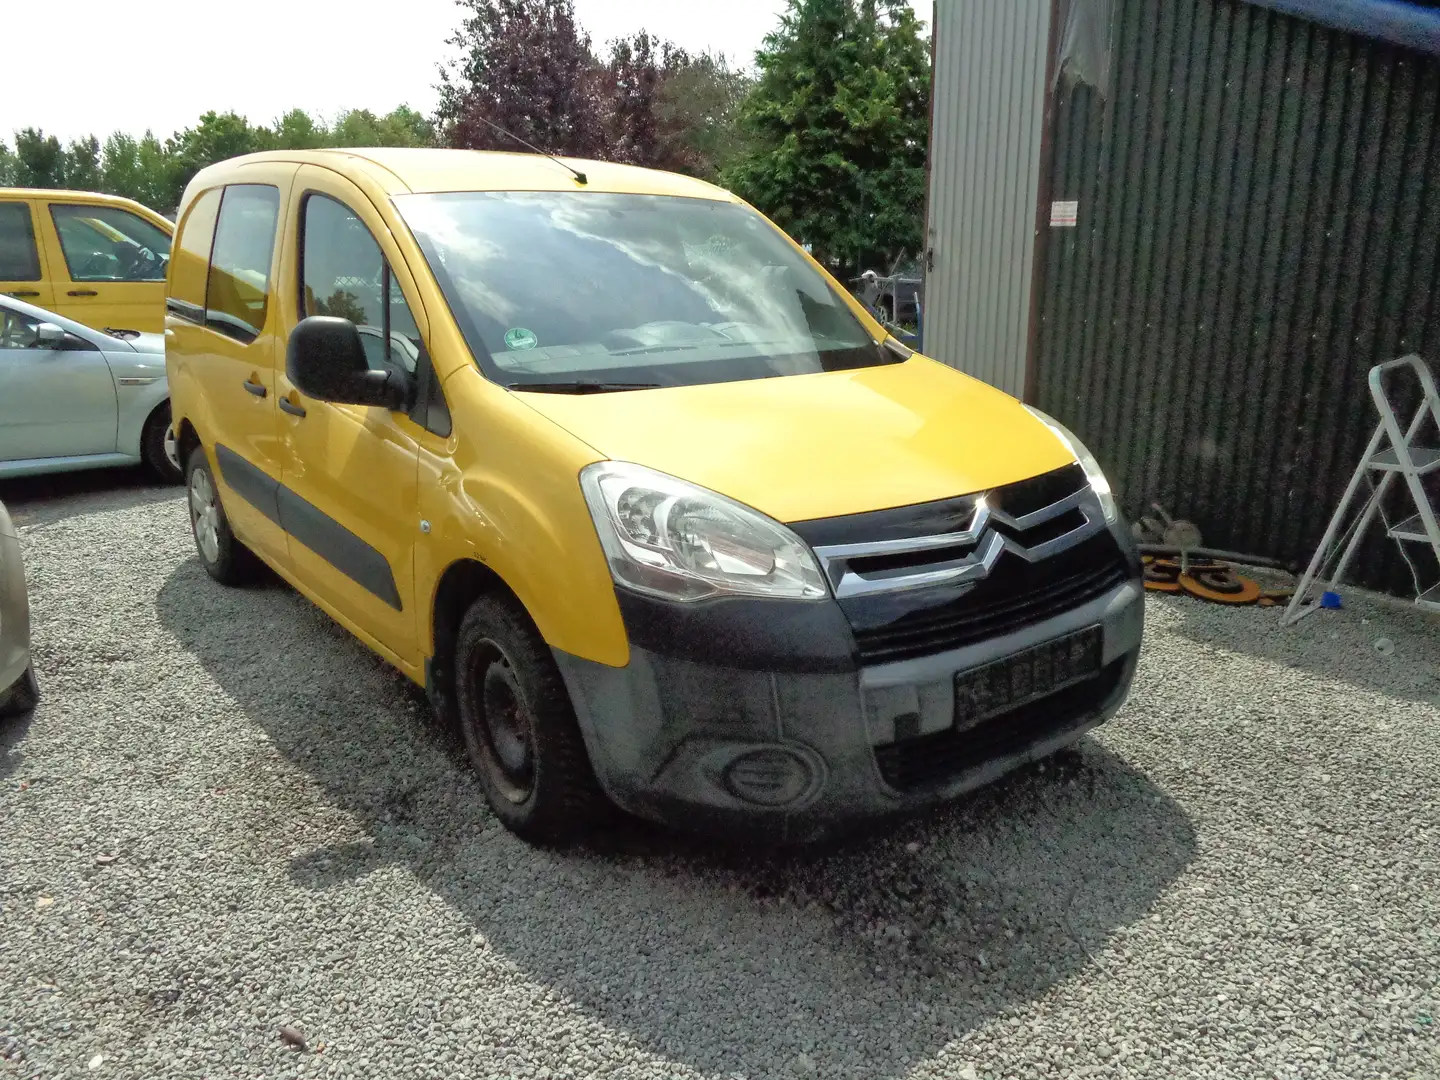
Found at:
(800, 447)
(147, 343)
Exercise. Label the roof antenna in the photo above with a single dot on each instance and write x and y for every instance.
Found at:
(579, 176)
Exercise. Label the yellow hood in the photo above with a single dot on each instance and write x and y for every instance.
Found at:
(810, 446)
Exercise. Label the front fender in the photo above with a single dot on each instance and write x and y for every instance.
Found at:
(141, 384)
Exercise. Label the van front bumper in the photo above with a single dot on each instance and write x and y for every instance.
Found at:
(797, 754)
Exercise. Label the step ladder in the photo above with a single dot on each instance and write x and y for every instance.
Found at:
(1391, 453)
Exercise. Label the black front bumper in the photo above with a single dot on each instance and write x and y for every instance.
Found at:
(734, 722)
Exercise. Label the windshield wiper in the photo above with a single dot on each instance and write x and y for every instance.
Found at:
(585, 387)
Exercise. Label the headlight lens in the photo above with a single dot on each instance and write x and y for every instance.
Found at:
(1093, 473)
(670, 538)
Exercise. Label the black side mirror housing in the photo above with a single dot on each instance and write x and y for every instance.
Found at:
(325, 359)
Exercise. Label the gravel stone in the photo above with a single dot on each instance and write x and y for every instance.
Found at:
(1238, 877)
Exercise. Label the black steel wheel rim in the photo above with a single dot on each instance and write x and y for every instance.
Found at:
(507, 730)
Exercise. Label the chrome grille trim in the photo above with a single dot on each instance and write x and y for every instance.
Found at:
(988, 545)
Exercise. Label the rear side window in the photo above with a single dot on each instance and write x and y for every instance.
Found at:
(343, 274)
(190, 261)
(105, 243)
(19, 261)
(239, 281)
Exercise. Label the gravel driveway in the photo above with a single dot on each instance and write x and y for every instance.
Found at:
(226, 817)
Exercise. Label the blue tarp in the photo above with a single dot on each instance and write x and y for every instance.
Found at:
(1397, 21)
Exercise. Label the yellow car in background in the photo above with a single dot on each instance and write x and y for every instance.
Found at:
(646, 501)
(98, 259)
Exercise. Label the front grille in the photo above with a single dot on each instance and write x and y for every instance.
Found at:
(933, 759)
(1016, 593)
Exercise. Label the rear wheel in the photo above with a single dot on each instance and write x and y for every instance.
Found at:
(520, 727)
(157, 445)
(224, 557)
(22, 697)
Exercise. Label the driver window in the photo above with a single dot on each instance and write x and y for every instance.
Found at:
(19, 331)
(105, 243)
(343, 274)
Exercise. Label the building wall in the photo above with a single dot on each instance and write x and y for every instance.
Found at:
(1259, 224)
(987, 118)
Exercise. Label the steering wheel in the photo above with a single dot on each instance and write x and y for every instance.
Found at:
(142, 265)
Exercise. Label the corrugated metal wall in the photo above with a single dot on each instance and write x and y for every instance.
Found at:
(987, 117)
(1259, 221)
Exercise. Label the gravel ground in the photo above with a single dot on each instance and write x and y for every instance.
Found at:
(226, 817)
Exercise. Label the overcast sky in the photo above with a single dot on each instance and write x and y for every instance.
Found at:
(127, 66)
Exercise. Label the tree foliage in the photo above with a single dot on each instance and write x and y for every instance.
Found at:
(155, 173)
(527, 67)
(839, 121)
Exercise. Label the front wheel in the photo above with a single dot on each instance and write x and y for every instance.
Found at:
(224, 557)
(520, 727)
(22, 697)
(157, 446)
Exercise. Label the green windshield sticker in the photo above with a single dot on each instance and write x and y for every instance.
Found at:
(519, 338)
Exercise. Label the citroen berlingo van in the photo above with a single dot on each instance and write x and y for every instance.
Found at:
(647, 503)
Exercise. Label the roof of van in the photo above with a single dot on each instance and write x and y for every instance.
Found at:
(65, 195)
(402, 169)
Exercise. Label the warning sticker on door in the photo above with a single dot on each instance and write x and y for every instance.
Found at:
(1064, 215)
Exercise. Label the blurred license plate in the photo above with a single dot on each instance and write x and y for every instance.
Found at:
(1017, 680)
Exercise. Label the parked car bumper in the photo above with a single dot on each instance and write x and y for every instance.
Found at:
(14, 608)
(796, 755)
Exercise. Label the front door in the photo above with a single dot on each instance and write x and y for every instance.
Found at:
(111, 273)
(349, 498)
(55, 400)
(22, 264)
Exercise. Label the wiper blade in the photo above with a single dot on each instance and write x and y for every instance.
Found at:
(581, 387)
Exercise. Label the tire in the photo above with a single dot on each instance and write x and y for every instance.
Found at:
(22, 697)
(224, 557)
(152, 446)
(520, 729)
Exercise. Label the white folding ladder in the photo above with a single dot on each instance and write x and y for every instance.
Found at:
(1392, 452)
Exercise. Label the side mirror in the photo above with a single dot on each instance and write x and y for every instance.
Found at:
(325, 359)
(49, 336)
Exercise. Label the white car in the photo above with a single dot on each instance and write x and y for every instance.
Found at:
(76, 398)
(19, 692)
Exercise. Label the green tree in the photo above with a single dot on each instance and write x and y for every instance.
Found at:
(839, 119)
(40, 162)
(216, 137)
(701, 99)
(298, 130)
(120, 166)
(9, 165)
(156, 183)
(82, 164)
(403, 126)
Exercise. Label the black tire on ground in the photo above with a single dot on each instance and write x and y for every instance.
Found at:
(22, 697)
(224, 557)
(152, 445)
(520, 728)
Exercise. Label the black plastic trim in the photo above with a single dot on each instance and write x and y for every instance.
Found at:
(311, 526)
(338, 546)
(252, 484)
(744, 633)
(183, 309)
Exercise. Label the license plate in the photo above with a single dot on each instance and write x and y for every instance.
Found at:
(1016, 680)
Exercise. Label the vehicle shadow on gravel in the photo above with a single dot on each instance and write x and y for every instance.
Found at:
(55, 497)
(1331, 645)
(727, 960)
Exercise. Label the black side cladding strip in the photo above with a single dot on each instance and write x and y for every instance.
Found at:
(185, 310)
(250, 483)
(338, 546)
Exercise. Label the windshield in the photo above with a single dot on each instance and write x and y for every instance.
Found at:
(580, 291)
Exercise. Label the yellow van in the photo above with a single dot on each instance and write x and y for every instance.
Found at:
(97, 259)
(648, 504)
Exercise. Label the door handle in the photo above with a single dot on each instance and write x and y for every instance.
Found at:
(255, 388)
(23, 292)
(82, 292)
(286, 405)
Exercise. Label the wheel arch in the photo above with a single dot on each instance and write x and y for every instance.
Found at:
(458, 587)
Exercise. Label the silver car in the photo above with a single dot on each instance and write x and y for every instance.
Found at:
(18, 689)
(76, 398)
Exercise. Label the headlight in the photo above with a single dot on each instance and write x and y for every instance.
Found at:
(670, 538)
(1087, 461)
